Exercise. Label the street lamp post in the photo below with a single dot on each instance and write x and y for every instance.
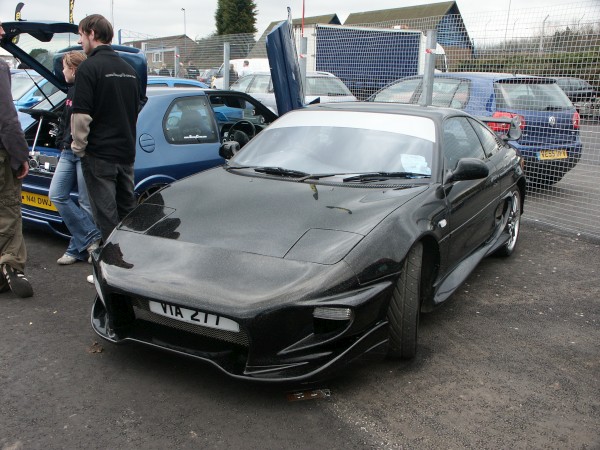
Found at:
(543, 32)
(184, 34)
(506, 28)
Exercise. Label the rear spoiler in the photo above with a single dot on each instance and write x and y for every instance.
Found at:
(514, 131)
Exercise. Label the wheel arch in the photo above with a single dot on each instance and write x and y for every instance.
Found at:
(522, 185)
(430, 268)
(154, 180)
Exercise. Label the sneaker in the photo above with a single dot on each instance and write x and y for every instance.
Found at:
(3, 284)
(65, 260)
(93, 246)
(17, 282)
(90, 279)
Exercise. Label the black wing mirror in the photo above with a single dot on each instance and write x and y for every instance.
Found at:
(228, 149)
(469, 169)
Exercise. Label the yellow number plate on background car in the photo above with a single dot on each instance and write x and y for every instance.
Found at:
(39, 201)
(553, 154)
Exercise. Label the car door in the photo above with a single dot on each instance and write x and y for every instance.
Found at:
(472, 203)
(261, 89)
(503, 155)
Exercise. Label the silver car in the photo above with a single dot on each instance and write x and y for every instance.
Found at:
(322, 85)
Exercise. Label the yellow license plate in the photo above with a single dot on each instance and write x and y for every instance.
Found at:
(39, 201)
(553, 154)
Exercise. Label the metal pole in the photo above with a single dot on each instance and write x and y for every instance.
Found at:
(303, 50)
(226, 53)
(542, 36)
(184, 36)
(428, 76)
(506, 28)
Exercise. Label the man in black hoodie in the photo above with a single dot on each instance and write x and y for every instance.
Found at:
(14, 166)
(105, 109)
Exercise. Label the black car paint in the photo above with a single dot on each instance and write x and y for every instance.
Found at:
(239, 221)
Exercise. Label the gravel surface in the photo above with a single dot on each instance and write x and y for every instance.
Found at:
(511, 361)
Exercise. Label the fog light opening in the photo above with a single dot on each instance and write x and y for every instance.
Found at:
(332, 313)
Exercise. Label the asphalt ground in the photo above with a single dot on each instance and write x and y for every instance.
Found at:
(511, 361)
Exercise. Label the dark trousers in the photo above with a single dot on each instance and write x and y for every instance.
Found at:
(12, 244)
(111, 191)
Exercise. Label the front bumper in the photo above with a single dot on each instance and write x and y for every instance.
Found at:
(283, 345)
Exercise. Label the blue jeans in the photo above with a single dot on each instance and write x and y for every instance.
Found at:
(77, 218)
(113, 187)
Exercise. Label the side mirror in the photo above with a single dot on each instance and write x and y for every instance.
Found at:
(469, 169)
(228, 149)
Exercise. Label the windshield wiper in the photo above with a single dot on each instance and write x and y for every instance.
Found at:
(281, 171)
(229, 167)
(381, 176)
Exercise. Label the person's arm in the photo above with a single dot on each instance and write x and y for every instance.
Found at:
(80, 130)
(12, 138)
(83, 100)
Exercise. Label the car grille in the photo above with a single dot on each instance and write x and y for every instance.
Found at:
(142, 312)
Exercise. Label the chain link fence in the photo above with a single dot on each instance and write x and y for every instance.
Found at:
(561, 138)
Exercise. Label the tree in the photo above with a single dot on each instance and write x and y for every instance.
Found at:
(236, 16)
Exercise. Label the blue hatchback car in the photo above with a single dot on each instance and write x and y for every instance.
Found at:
(29, 87)
(179, 130)
(550, 141)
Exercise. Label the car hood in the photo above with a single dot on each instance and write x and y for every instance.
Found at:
(56, 39)
(239, 245)
(265, 216)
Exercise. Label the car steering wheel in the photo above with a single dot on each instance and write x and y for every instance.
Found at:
(242, 137)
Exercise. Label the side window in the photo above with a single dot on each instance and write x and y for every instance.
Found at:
(242, 83)
(189, 121)
(401, 92)
(488, 138)
(461, 96)
(449, 92)
(460, 141)
(260, 84)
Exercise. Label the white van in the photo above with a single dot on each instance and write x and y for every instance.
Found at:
(255, 65)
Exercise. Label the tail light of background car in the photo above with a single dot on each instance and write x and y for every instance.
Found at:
(504, 127)
(576, 119)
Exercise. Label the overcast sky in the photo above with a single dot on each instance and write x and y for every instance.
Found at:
(165, 17)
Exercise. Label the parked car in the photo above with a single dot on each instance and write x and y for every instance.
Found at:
(207, 75)
(323, 86)
(583, 95)
(235, 69)
(157, 81)
(179, 130)
(317, 243)
(28, 88)
(550, 143)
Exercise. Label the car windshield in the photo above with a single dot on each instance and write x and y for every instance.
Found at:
(318, 142)
(51, 101)
(21, 83)
(531, 96)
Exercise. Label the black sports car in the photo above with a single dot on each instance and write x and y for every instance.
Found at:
(320, 241)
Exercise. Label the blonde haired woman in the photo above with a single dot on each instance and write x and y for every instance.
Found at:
(85, 236)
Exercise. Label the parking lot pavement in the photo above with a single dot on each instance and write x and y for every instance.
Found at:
(511, 361)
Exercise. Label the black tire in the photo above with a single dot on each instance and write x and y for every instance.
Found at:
(148, 193)
(404, 308)
(512, 224)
